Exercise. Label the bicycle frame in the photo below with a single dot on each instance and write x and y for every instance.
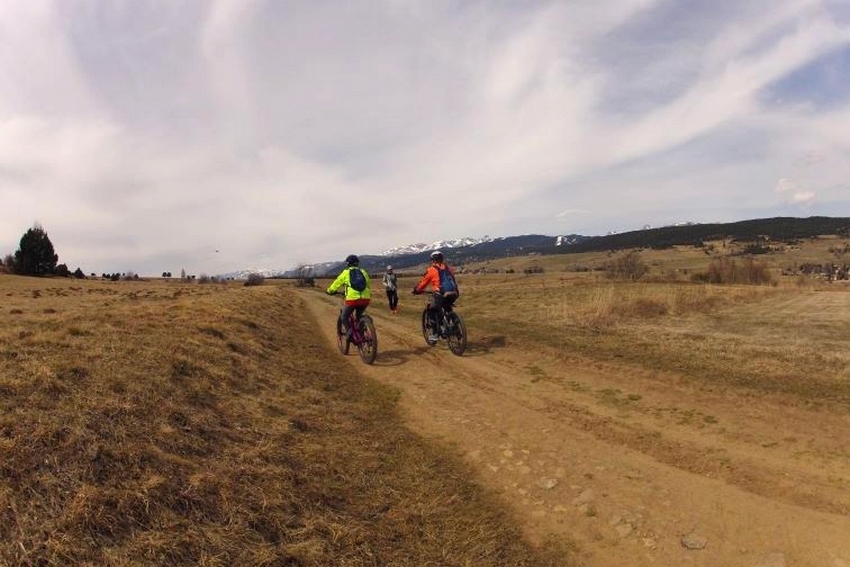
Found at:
(354, 325)
(362, 335)
(450, 327)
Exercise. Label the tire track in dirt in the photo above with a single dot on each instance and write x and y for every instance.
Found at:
(574, 459)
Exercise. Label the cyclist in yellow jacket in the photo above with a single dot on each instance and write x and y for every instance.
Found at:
(358, 289)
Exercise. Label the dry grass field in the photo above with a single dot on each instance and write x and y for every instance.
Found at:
(156, 423)
(591, 422)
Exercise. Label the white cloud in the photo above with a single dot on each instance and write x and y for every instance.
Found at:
(145, 134)
(785, 184)
(803, 197)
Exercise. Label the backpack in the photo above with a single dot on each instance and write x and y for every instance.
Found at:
(447, 281)
(356, 279)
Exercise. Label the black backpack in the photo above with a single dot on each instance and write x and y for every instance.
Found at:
(356, 279)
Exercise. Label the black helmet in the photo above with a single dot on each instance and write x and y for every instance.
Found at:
(437, 256)
(352, 260)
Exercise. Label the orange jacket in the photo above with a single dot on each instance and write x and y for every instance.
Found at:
(432, 277)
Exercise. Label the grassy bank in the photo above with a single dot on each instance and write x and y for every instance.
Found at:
(155, 423)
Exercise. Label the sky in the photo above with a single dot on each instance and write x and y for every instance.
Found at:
(220, 135)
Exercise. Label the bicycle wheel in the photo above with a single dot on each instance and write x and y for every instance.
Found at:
(368, 347)
(342, 341)
(426, 328)
(456, 333)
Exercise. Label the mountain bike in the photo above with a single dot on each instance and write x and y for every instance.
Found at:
(363, 336)
(450, 326)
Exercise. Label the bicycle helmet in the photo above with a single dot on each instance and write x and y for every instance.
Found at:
(437, 256)
(352, 260)
(389, 268)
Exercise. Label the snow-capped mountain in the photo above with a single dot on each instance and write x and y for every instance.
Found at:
(437, 245)
(467, 248)
(321, 268)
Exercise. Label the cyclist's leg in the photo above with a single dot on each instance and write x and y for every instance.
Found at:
(435, 305)
(449, 301)
(359, 307)
(344, 315)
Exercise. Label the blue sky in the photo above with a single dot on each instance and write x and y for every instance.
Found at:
(211, 136)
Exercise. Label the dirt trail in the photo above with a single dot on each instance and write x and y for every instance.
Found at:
(635, 468)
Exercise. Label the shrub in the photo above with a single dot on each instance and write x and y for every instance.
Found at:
(629, 266)
(725, 270)
(255, 279)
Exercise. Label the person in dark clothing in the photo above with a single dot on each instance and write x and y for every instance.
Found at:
(391, 285)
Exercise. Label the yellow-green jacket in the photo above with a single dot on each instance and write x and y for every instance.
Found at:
(351, 294)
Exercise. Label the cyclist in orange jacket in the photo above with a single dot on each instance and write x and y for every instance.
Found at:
(444, 288)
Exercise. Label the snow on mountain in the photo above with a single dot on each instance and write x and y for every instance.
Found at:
(325, 268)
(567, 240)
(437, 245)
(306, 269)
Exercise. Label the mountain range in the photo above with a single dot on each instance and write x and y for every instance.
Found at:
(466, 250)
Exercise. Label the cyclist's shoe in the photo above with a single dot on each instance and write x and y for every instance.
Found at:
(433, 338)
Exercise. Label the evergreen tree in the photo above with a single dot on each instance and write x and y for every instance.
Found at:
(36, 256)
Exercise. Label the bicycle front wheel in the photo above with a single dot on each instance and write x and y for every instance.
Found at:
(343, 342)
(426, 328)
(368, 347)
(456, 333)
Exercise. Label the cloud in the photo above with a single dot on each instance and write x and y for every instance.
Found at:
(570, 212)
(144, 134)
(785, 185)
(803, 197)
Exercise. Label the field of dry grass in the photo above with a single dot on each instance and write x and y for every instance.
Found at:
(161, 423)
(752, 336)
(786, 337)
(156, 423)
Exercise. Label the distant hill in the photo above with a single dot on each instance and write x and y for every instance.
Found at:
(785, 229)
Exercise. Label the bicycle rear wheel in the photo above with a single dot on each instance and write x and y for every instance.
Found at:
(426, 328)
(368, 347)
(456, 333)
(343, 342)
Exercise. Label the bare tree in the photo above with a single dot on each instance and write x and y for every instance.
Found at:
(304, 276)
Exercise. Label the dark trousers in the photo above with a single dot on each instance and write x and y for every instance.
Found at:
(438, 301)
(392, 298)
(346, 312)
